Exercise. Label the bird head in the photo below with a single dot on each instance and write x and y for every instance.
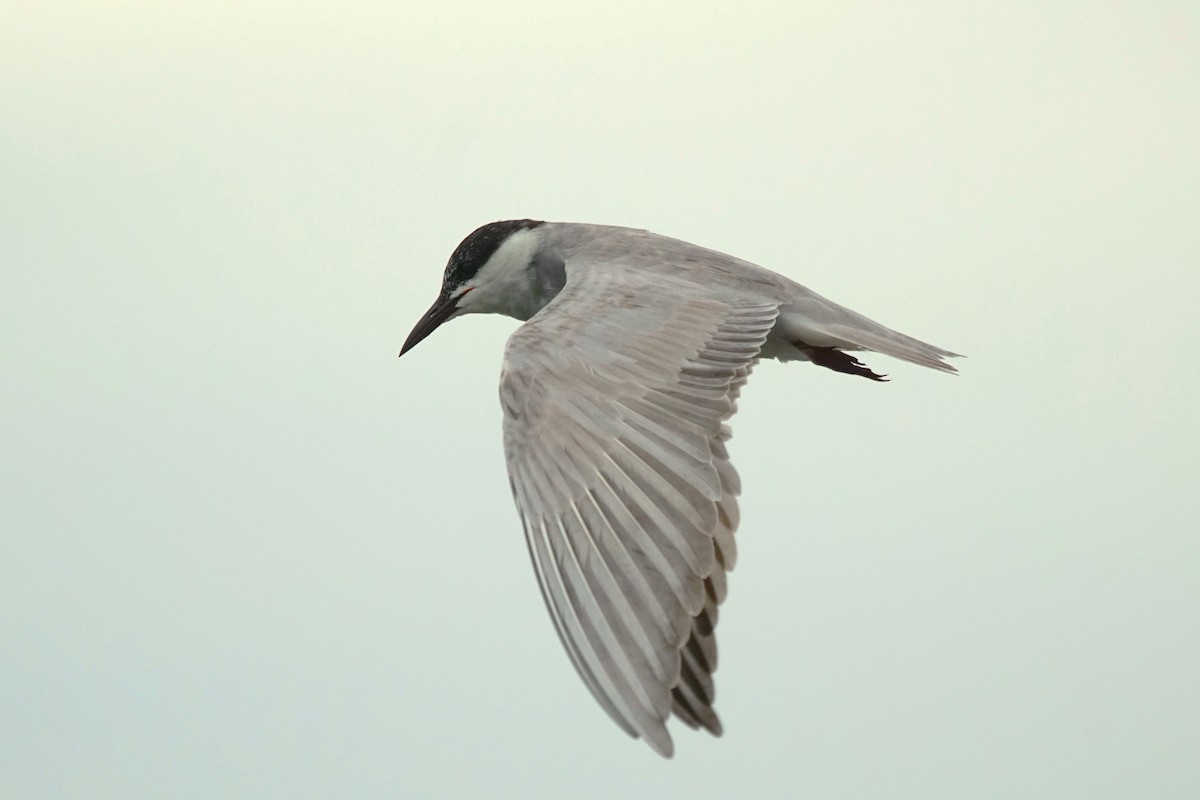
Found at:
(488, 273)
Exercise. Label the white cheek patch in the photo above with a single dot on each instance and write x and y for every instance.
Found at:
(503, 283)
(510, 259)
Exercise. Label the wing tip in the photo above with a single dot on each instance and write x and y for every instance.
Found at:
(660, 740)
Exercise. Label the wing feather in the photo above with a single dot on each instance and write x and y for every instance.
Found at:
(614, 399)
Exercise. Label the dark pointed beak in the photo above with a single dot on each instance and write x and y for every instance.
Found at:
(442, 309)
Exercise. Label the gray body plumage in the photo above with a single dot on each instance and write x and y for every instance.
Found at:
(615, 394)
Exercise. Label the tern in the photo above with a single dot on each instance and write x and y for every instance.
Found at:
(616, 392)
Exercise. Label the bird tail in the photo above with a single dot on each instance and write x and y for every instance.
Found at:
(820, 331)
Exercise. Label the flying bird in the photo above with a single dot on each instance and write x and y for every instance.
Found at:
(616, 392)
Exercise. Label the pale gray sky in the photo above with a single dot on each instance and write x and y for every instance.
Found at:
(246, 552)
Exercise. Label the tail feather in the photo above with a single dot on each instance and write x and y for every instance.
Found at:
(895, 344)
(820, 330)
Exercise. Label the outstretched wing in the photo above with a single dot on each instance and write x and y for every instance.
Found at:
(615, 398)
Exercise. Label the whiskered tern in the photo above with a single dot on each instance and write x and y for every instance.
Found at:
(616, 392)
